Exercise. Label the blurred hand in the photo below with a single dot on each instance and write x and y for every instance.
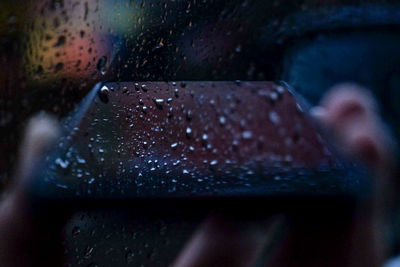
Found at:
(30, 236)
(350, 113)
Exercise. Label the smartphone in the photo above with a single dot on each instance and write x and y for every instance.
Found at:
(193, 146)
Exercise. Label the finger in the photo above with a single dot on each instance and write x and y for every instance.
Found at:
(27, 239)
(220, 242)
(41, 133)
(351, 113)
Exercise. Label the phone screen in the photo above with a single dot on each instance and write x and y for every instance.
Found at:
(183, 140)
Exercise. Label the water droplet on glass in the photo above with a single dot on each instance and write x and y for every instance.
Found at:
(214, 162)
(159, 102)
(80, 160)
(75, 231)
(60, 41)
(273, 96)
(62, 163)
(222, 120)
(88, 252)
(174, 145)
(247, 135)
(59, 66)
(188, 132)
(63, 186)
(280, 89)
(238, 49)
(189, 115)
(299, 108)
(274, 117)
(104, 93)
(129, 256)
(101, 64)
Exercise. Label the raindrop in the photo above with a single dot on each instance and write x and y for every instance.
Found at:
(59, 66)
(104, 93)
(159, 102)
(214, 162)
(238, 49)
(189, 115)
(222, 120)
(62, 186)
(174, 145)
(280, 89)
(80, 160)
(299, 108)
(88, 252)
(101, 65)
(159, 45)
(247, 135)
(273, 96)
(60, 41)
(129, 256)
(62, 163)
(75, 231)
(188, 132)
(274, 117)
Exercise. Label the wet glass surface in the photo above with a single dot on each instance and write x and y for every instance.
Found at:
(152, 140)
(53, 52)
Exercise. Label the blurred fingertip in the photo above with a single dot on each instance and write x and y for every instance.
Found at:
(41, 132)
